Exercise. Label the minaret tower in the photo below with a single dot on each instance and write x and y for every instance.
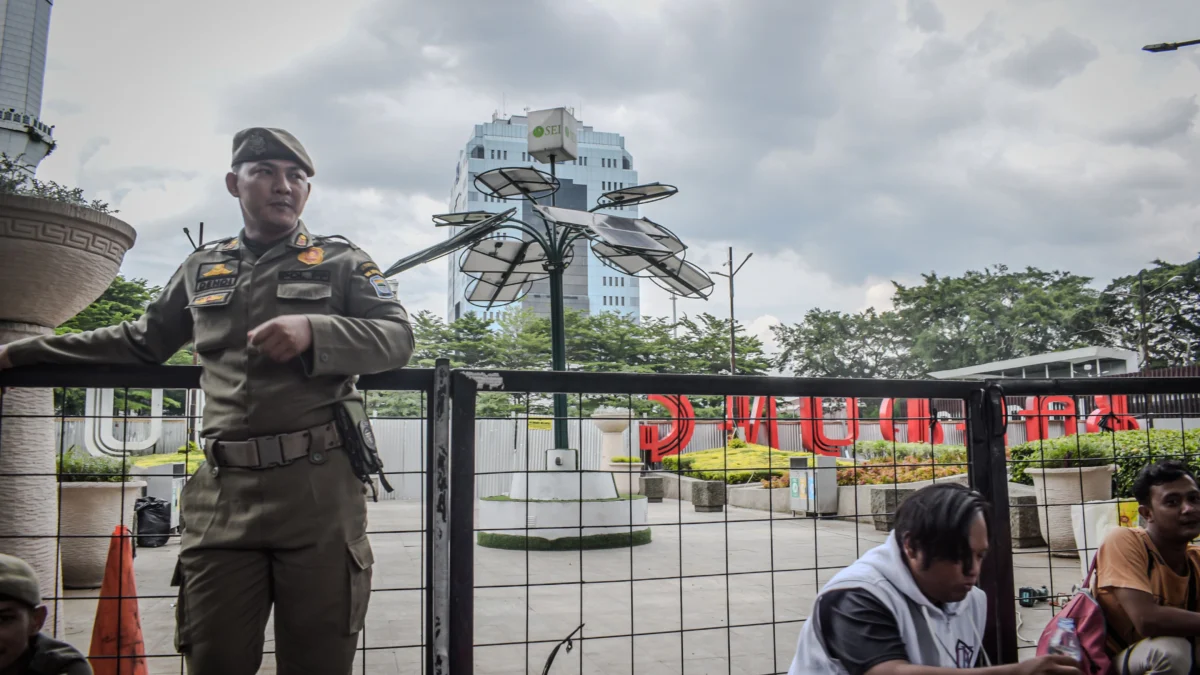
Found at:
(24, 31)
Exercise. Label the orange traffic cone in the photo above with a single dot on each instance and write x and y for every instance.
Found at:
(117, 647)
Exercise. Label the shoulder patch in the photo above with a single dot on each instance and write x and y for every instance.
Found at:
(381, 287)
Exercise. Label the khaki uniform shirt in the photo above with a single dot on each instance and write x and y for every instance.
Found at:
(223, 291)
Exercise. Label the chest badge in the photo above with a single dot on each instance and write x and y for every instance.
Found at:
(218, 270)
(312, 256)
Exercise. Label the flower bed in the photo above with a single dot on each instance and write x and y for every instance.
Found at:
(740, 463)
(886, 463)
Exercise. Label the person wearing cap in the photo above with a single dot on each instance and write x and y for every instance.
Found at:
(24, 650)
(283, 321)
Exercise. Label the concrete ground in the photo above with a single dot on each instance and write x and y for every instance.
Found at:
(701, 592)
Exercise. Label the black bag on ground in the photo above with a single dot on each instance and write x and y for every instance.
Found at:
(153, 521)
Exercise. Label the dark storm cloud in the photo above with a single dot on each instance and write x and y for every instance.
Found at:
(1044, 63)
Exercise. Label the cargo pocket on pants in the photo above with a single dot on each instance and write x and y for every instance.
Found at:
(182, 641)
(362, 559)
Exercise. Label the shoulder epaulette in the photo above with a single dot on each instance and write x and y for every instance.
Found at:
(325, 238)
(209, 245)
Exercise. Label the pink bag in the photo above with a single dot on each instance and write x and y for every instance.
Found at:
(1090, 626)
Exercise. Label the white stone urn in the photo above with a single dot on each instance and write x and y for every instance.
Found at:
(625, 475)
(90, 513)
(55, 259)
(1076, 485)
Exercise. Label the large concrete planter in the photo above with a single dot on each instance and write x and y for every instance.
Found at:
(90, 512)
(55, 259)
(625, 475)
(1056, 490)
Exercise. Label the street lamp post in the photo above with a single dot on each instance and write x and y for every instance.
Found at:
(1169, 46)
(732, 322)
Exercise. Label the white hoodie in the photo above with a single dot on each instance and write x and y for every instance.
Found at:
(949, 636)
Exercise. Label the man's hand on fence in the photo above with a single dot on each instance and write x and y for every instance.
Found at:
(282, 338)
(5, 361)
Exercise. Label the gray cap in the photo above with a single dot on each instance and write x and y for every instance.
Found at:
(18, 581)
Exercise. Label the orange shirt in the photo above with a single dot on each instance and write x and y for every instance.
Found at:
(1123, 561)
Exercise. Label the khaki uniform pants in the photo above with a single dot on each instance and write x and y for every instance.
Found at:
(293, 537)
(1157, 656)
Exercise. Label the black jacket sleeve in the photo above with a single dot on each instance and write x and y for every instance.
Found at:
(859, 631)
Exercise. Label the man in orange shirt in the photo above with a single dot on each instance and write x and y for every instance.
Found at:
(1146, 579)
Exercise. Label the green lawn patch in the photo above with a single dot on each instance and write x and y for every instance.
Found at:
(517, 542)
(734, 465)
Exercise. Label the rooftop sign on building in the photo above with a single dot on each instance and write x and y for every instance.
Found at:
(552, 134)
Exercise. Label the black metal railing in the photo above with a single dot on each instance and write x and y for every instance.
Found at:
(725, 590)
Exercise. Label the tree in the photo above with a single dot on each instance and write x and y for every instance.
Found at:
(1172, 314)
(995, 314)
(838, 344)
(123, 300)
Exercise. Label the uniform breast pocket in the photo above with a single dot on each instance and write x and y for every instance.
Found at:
(214, 321)
(305, 297)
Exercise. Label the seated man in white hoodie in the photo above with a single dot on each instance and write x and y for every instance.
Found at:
(910, 606)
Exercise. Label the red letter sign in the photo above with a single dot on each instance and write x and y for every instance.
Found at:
(812, 427)
(920, 421)
(683, 425)
(1111, 414)
(738, 415)
(1038, 412)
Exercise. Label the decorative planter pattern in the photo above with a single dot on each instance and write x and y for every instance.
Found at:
(55, 259)
(90, 512)
(1056, 490)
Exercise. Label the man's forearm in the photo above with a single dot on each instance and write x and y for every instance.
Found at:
(1169, 622)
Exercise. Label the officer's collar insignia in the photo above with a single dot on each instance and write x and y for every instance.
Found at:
(231, 244)
(312, 256)
(301, 240)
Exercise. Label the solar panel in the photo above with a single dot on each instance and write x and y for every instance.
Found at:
(672, 272)
(628, 233)
(637, 194)
(462, 218)
(506, 254)
(516, 182)
(465, 237)
(489, 292)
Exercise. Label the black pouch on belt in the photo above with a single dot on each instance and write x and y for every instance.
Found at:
(358, 440)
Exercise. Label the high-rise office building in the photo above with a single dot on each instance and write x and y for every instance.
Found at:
(603, 164)
(24, 31)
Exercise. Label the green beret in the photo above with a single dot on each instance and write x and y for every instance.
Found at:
(18, 581)
(258, 143)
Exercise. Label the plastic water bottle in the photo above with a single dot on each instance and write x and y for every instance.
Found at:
(1064, 640)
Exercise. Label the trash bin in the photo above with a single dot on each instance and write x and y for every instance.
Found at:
(153, 521)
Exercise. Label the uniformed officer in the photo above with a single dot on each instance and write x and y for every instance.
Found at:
(283, 321)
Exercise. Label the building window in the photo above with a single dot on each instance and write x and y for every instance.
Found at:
(505, 154)
(626, 164)
(477, 152)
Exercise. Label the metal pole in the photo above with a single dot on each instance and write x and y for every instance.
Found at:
(674, 317)
(732, 322)
(1143, 340)
(558, 336)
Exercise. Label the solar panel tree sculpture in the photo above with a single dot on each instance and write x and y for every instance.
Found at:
(504, 255)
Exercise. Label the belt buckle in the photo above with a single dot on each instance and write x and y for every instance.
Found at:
(270, 452)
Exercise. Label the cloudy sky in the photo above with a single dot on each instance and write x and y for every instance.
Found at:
(844, 143)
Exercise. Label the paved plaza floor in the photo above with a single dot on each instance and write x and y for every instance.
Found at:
(700, 598)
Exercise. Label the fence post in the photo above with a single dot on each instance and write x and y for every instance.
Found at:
(437, 529)
(461, 618)
(989, 475)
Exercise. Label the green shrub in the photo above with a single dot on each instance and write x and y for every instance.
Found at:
(942, 454)
(737, 443)
(626, 460)
(1128, 450)
(736, 465)
(77, 467)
